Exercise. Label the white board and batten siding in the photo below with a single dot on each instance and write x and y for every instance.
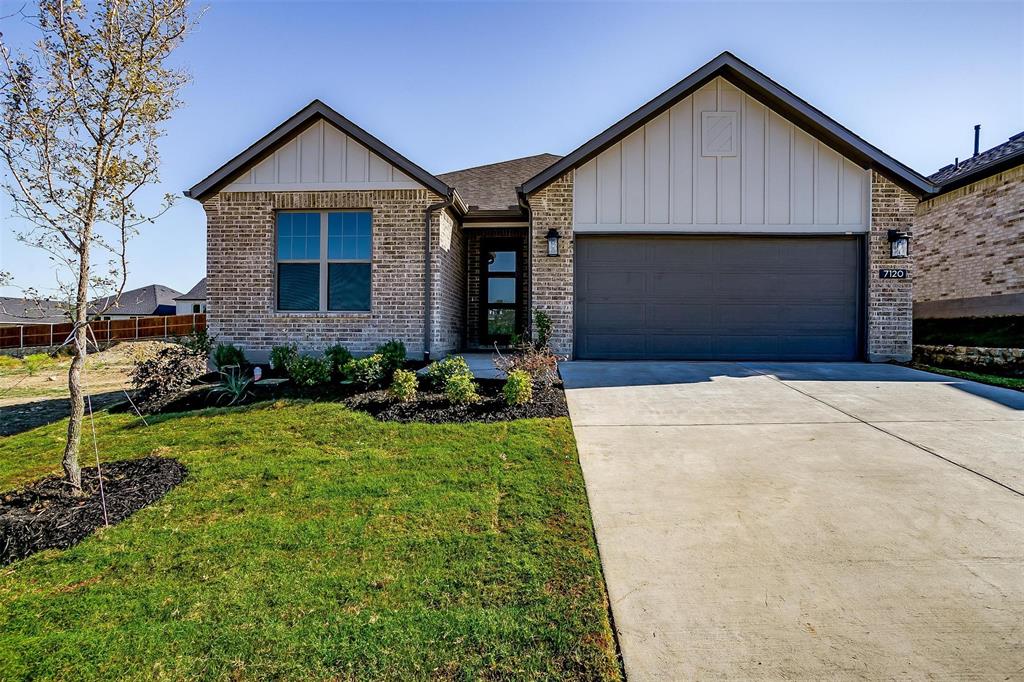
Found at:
(322, 158)
(720, 161)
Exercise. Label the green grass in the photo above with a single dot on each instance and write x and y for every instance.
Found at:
(993, 379)
(312, 542)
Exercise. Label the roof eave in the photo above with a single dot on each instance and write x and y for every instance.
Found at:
(980, 173)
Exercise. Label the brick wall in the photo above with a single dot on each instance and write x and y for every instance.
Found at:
(552, 278)
(473, 238)
(241, 273)
(969, 243)
(448, 295)
(890, 305)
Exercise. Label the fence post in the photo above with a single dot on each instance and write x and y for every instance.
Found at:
(51, 335)
(136, 329)
(21, 337)
(165, 326)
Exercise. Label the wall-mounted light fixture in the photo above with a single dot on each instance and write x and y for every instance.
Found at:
(552, 238)
(899, 244)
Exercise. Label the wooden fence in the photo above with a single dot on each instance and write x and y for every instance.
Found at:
(49, 335)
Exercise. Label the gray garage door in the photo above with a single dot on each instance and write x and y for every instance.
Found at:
(698, 298)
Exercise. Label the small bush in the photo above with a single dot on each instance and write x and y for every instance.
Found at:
(518, 389)
(441, 371)
(35, 362)
(337, 357)
(306, 370)
(392, 356)
(162, 378)
(227, 355)
(542, 328)
(281, 357)
(540, 363)
(461, 389)
(403, 386)
(234, 387)
(366, 372)
(198, 341)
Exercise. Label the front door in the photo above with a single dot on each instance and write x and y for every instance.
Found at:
(500, 290)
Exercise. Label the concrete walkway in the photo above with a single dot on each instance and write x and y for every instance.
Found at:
(805, 521)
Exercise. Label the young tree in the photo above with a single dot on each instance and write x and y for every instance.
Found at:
(82, 113)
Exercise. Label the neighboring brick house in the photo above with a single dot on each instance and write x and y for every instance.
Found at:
(725, 219)
(970, 237)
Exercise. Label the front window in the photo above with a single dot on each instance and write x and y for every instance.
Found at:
(323, 260)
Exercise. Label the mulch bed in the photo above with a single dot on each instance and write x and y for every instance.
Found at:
(45, 515)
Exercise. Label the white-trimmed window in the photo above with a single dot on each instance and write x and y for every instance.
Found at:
(323, 260)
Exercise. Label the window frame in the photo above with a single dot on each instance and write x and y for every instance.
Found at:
(324, 262)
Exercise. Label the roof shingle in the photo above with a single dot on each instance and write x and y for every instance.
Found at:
(493, 187)
(976, 165)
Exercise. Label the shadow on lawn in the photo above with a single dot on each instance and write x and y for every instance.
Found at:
(22, 417)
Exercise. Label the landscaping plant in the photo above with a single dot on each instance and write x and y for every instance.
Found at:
(403, 386)
(542, 328)
(392, 355)
(460, 389)
(198, 341)
(366, 372)
(228, 355)
(337, 356)
(35, 362)
(518, 389)
(234, 387)
(306, 370)
(441, 371)
(281, 357)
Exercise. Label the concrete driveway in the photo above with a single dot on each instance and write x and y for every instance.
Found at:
(805, 521)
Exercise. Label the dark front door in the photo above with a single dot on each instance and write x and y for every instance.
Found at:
(500, 290)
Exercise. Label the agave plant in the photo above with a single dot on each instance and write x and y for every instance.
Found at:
(234, 387)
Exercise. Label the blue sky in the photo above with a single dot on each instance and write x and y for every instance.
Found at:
(452, 85)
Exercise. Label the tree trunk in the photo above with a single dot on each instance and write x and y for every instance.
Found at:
(72, 469)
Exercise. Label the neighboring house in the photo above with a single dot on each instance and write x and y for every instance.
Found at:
(193, 301)
(970, 237)
(155, 299)
(18, 311)
(724, 219)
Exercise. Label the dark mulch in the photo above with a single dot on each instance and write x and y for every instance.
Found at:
(45, 515)
(432, 406)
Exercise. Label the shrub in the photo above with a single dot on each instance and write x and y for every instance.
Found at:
(35, 362)
(518, 389)
(542, 327)
(226, 355)
(162, 378)
(461, 389)
(392, 356)
(198, 341)
(306, 370)
(540, 363)
(403, 386)
(365, 372)
(441, 371)
(281, 357)
(337, 357)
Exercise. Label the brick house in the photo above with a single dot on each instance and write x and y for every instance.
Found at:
(724, 219)
(970, 237)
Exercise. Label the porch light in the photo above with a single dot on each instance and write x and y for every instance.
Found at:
(899, 244)
(553, 242)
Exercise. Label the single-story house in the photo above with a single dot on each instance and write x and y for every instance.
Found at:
(970, 237)
(153, 299)
(16, 311)
(192, 301)
(725, 219)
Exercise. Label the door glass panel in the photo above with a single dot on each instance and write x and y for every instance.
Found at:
(501, 290)
(501, 322)
(501, 261)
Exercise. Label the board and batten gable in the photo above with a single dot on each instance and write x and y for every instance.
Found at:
(720, 161)
(321, 157)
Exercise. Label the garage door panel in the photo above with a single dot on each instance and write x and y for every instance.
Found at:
(718, 297)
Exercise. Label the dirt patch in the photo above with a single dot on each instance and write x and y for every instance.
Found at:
(45, 515)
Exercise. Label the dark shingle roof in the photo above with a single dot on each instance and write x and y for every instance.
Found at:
(147, 300)
(196, 293)
(493, 186)
(981, 165)
(30, 311)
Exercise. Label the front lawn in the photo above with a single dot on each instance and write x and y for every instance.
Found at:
(993, 379)
(310, 541)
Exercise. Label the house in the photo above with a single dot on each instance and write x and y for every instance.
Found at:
(724, 219)
(193, 301)
(970, 237)
(154, 299)
(16, 311)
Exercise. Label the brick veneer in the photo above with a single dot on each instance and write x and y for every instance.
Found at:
(552, 278)
(241, 273)
(969, 243)
(890, 304)
(448, 293)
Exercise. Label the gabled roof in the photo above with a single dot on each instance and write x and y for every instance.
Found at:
(301, 120)
(196, 293)
(145, 300)
(493, 187)
(990, 162)
(769, 93)
(31, 311)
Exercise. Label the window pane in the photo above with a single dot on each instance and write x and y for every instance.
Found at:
(501, 322)
(348, 235)
(298, 236)
(501, 290)
(298, 286)
(501, 261)
(348, 286)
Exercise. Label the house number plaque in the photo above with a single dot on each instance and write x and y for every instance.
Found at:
(892, 273)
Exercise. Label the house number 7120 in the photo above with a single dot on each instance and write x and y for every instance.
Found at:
(892, 273)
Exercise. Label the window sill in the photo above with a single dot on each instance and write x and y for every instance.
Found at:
(321, 313)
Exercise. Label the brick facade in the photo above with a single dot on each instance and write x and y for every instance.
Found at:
(890, 304)
(552, 278)
(969, 247)
(241, 300)
(448, 294)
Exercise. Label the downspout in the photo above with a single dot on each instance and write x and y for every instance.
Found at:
(427, 271)
(524, 203)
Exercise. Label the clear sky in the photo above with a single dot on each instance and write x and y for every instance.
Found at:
(452, 85)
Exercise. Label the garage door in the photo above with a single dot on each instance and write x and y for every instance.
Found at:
(699, 298)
